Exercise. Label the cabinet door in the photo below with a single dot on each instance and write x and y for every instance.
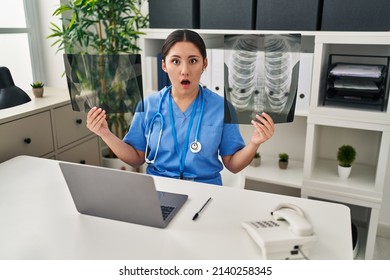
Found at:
(70, 125)
(86, 153)
(31, 136)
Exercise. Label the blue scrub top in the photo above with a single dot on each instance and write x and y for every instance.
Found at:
(215, 136)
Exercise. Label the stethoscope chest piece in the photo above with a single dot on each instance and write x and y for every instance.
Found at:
(195, 147)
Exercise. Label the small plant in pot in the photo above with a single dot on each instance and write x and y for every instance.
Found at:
(283, 160)
(346, 155)
(256, 161)
(37, 88)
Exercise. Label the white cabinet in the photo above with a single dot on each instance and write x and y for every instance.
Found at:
(85, 152)
(48, 127)
(318, 130)
(364, 127)
(69, 126)
(29, 136)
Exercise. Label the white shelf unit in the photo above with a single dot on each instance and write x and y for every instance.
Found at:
(317, 131)
(366, 128)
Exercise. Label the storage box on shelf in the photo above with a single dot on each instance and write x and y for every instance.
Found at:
(174, 13)
(355, 15)
(227, 14)
(47, 127)
(295, 14)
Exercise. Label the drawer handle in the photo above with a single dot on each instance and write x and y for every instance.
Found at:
(79, 121)
(27, 140)
(83, 161)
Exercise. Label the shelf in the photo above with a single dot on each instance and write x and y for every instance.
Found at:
(363, 116)
(356, 50)
(269, 172)
(360, 184)
(353, 38)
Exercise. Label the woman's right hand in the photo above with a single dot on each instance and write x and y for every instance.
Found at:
(96, 121)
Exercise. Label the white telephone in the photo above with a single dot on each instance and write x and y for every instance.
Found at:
(287, 235)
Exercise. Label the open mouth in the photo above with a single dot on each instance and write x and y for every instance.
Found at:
(185, 82)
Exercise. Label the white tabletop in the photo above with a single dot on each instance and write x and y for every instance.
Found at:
(38, 220)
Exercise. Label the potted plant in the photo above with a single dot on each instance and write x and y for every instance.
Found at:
(256, 161)
(37, 88)
(96, 36)
(346, 155)
(283, 160)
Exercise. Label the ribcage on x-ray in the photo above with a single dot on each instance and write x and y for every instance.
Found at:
(278, 67)
(260, 78)
(242, 73)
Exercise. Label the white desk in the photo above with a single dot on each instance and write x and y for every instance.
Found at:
(38, 220)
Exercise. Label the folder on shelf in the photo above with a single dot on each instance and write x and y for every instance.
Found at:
(205, 79)
(162, 76)
(357, 70)
(304, 82)
(217, 67)
(355, 84)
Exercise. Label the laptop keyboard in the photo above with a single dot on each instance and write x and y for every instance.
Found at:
(166, 210)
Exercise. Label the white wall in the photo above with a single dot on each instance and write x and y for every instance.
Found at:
(54, 69)
(53, 60)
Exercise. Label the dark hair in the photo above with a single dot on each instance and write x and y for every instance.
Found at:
(183, 35)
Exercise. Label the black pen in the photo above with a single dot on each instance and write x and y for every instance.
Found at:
(197, 213)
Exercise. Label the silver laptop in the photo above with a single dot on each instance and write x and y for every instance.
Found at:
(120, 195)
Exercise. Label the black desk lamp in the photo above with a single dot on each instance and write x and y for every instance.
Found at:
(10, 95)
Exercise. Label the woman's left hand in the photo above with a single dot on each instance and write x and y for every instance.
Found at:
(264, 128)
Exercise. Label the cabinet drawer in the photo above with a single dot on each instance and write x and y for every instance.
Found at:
(31, 135)
(86, 153)
(70, 126)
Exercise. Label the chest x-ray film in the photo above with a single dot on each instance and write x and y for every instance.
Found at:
(111, 82)
(261, 75)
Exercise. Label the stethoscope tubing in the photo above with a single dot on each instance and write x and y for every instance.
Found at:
(158, 115)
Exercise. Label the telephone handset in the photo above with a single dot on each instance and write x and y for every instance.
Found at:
(295, 217)
(286, 235)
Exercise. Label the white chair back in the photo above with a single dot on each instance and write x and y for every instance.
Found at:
(235, 180)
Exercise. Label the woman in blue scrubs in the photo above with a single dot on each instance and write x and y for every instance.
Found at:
(181, 132)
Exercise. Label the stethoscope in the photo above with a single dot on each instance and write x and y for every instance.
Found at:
(195, 145)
